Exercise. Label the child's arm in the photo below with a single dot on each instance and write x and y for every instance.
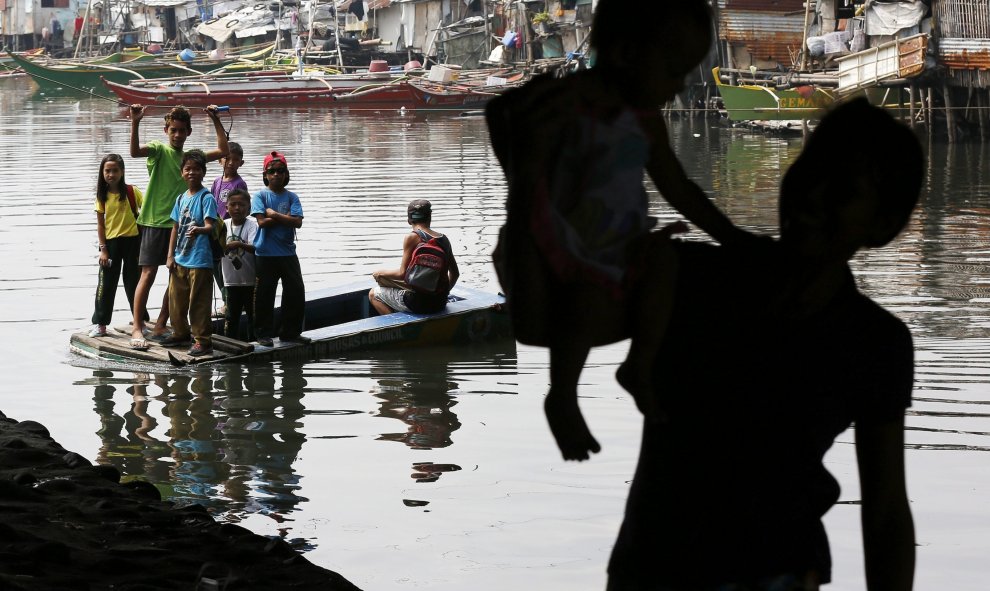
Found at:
(172, 240)
(273, 217)
(237, 244)
(682, 193)
(101, 235)
(222, 149)
(888, 528)
(137, 150)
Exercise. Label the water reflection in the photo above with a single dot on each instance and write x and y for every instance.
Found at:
(227, 441)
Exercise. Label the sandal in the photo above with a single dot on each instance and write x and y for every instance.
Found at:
(139, 344)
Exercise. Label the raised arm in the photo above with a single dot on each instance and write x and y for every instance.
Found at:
(137, 150)
(888, 528)
(222, 149)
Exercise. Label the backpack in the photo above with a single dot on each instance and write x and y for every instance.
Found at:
(218, 237)
(132, 200)
(427, 270)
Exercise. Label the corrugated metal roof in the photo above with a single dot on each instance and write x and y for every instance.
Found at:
(964, 54)
(766, 35)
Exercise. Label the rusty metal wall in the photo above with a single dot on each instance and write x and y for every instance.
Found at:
(770, 31)
(781, 6)
(963, 31)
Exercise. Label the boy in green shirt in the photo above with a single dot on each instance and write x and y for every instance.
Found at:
(165, 183)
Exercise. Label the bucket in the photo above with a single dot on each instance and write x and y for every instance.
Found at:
(186, 55)
(378, 66)
(413, 65)
(217, 54)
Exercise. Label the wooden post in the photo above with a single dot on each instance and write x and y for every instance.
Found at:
(950, 118)
(804, 36)
(911, 93)
(84, 30)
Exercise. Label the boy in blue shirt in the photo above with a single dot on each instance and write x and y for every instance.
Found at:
(279, 214)
(190, 259)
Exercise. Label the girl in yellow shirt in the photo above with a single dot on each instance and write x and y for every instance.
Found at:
(117, 205)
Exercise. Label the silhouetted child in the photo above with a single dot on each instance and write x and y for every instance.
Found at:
(576, 257)
(239, 265)
(771, 353)
(190, 260)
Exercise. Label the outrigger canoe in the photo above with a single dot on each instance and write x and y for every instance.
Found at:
(338, 320)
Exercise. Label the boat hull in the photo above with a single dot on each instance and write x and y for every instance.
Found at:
(87, 77)
(245, 91)
(759, 103)
(339, 321)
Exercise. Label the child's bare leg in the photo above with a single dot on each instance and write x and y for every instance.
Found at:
(561, 405)
(162, 316)
(650, 303)
(141, 293)
(588, 317)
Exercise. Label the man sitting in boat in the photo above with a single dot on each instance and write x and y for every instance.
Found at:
(426, 274)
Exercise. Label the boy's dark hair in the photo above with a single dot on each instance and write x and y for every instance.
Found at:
(239, 193)
(196, 156)
(875, 147)
(235, 148)
(179, 114)
(101, 184)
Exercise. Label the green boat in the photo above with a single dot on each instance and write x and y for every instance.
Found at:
(750, 102)
(118, 67)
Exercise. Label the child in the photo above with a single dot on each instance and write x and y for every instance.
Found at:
(279, 215)
(117, 205)
(190, 259)
(239, 264)
(223, 185)
(577, 228)
(165, 181)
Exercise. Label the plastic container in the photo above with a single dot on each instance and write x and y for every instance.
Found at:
(186, 55)
(816, 46)
(413, 65)
(378, 66)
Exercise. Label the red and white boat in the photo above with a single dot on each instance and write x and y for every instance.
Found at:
(420, 95)
(259, 89)
(378, 90)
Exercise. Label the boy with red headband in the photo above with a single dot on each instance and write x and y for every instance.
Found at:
(279, 214)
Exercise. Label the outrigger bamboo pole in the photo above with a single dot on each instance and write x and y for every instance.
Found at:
(84, 31)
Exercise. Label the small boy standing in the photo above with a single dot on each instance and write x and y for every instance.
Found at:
(223, 185)
(190, 259)
(238, 263)
(279, 214)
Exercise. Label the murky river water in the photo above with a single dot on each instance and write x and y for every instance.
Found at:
(434, 468)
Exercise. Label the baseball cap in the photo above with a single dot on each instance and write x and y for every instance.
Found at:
(272, 158)
(419, 209)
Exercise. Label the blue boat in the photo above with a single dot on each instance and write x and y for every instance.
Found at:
(339, 320)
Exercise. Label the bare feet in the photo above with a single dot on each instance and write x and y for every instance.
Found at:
(568, 427)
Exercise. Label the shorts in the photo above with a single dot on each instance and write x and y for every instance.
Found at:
(154, 246)
(393, 297)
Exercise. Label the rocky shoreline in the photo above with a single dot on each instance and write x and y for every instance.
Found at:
(67, 524)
